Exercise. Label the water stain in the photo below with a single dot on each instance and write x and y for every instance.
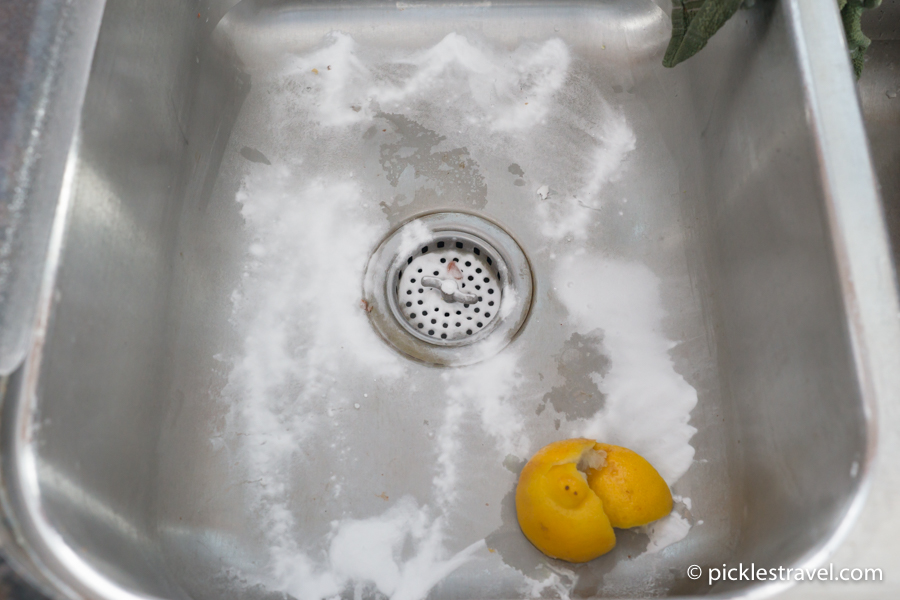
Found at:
(580, 360)
(516, 170)
(254, 155)
(428, 176)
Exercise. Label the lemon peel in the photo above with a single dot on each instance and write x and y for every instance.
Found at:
(573, 492)
(556, 508)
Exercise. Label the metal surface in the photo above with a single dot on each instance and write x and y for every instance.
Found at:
(197, 419)
(418, 282)
(46, 47)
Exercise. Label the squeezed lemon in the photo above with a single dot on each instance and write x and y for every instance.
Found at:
(573, 492)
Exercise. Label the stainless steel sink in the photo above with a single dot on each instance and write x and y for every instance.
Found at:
(227, 397)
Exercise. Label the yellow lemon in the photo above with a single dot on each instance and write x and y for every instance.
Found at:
(557, 510)
(632, 491)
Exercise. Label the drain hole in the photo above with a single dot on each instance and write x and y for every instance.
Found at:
(479, 324)
(440, 244)
(490, 290)
(431, 332)
(424, 249)
(476, 251)
(459, 244)
(409, 260)
(443, 336)
(421, 326)
(443, 260)
(468, 332)
(408, 304)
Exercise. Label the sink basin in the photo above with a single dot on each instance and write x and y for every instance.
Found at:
(227, 396)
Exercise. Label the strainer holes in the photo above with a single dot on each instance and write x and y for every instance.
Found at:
(476, 251)
(431, 332)
(424, 312)
(487, 315)
(458, 324)
(479, 323)
(480, 298)
(443, 336)
(443, 260)
(465, 306)
(478, 270)
(409, 292)
(468, 332)
(436, 273)
(424, 249)
(468, 264)
(446, 325)
(490, 262)
(434, 321)
(421, 290)
(477, 310)
(409, 260)
(459, 312)
(459, 244)
(440, 244)
(446, 314)
(421, 325)
(477, 287)
(408, 304)
(487, 279)
(456, 259)
(420, 302)
(490, 290)
(420, 270)
(413, 280)
(471, 278)
(491, 303)
(412, 315)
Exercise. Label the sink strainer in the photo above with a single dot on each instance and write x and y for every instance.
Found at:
(449, 288)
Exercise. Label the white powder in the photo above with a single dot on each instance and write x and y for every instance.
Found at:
(572, 215)
(648, 404)
(666, 531)
(305, 336)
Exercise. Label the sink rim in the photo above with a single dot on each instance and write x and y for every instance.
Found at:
(867, 286)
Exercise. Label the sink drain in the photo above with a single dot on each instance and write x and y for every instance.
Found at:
(449, 288)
